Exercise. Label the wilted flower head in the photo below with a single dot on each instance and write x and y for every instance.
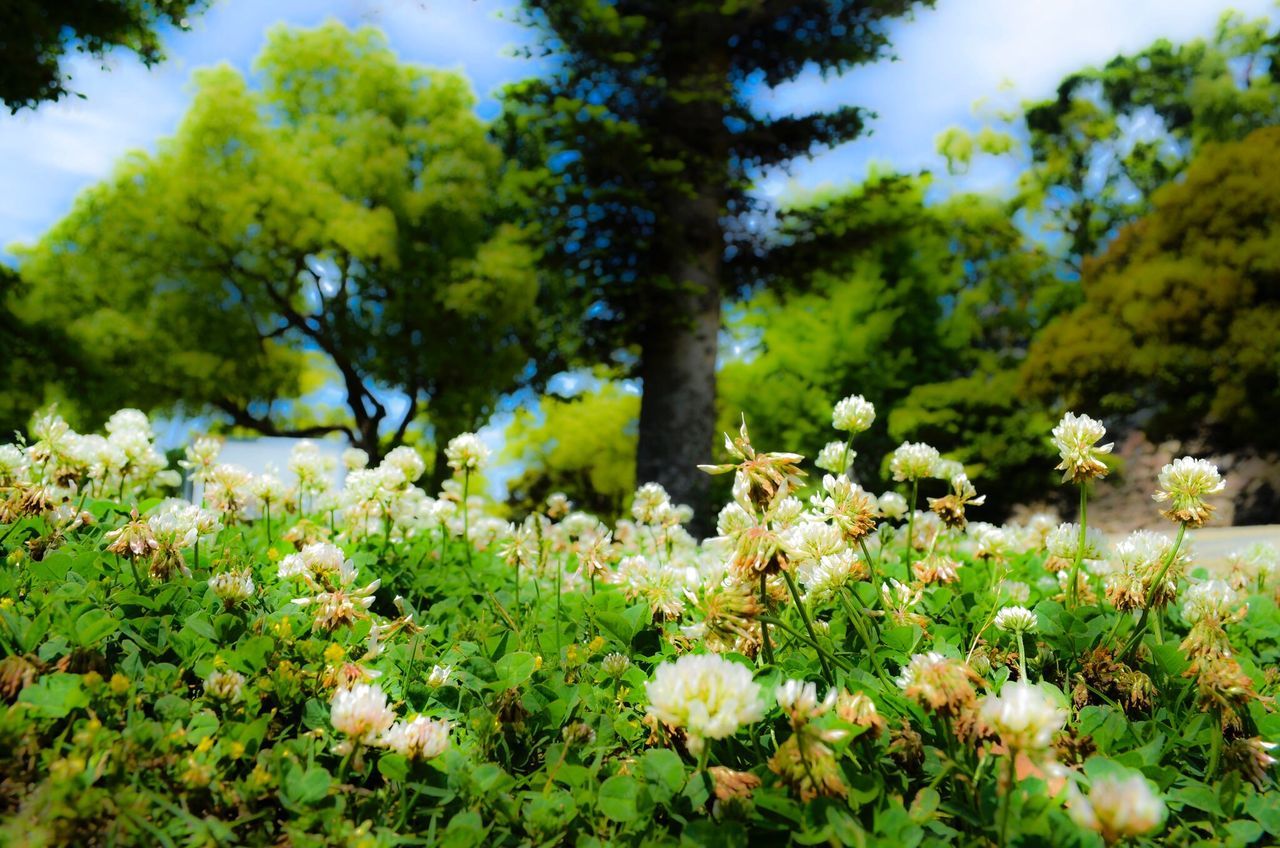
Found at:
(759, 478)
(950, 508)
(913, 461)
(1136, 562)
(133, 540)
(1184, 485)
(466, 452)
(361, 713)
(857, 708)
(420, 738)
(799, 700)
(706, 695)
(938, 683)
(1016, 619)
(1076, 438)
(846, 505)
(854, 414)
(1024, 716)
(1118, 807)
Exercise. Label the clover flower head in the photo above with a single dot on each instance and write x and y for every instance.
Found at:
(854, 414)
(1184, 485)
(225, 685)
(361, 713)
(706, 695)
(1076, 438)
(1024, 716)
(1016, 619)
(913, 461)
(466, 452)
(1118, 807)
(420, 738)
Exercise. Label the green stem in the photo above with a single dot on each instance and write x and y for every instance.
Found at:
(1007, 802)
(911, 525)
(1151, 593)
(266, 507)
(844, 457)
(766, 647)
(1073, 585)
(871, 567)
(1215, 752)
(1022, 659)
(808, 625)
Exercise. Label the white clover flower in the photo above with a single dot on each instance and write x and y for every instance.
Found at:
(1213, 599)
(650, 501)
(421, 738)
(799, 700)
(1064, 541)
(824, 578)
(354, 459)
(466, 452)
(269, 489)
(710, 697)
(854, 414)
(615, 664)
(950, 469)
(913, 461)
(1076, 438)
(893, 506)
(439, 676)
(812, 541)
(1024, 716)
(1184, 484)
(361, 713)
(831, 454)
(314, 562)
(311, 467)
(407, 461)
(1118, 807)
(232, 587)
(225, 685)
(13, 464)
(1016, 619)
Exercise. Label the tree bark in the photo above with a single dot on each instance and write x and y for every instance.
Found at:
(678, 367)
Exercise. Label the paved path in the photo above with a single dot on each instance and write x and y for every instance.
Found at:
(1213, 544)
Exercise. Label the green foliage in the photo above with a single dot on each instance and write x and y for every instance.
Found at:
(583, 446)
(38, 35)
(348, 216)
(1181, 315)
(912, 305)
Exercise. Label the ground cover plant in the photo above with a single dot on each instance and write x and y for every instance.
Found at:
(376, 665)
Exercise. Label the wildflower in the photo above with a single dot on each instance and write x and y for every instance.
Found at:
(1223, 688)
(707, 696)
(201, 457)
(804, 761)
(227, 489)
(936, 568)
(420, 738)
(354, 459)
(1016, 619)
(824, 578)
(439, 676)
(342, 604)
(1118, 807)
(466, 452)
(829, 458)
(950, 508)
(361, 713)
(225, 685)
(854, 414)
(311, 467)
(1184, 485)
(846, 505)
(268, 489)
(1024, 717)
(1076, 438)
(1136, 562)
(938, 683)
(812, 540)
(232, 587)
(900, 600)
(913, 461)
(759, 478)
(558, 505)
(799, 700)
(892, 505)
(1251, 757)
(729, 611)
(133, 540)
(615, 665)
(1063, 542)
(857, 708)
(316, 562)
(407, 462)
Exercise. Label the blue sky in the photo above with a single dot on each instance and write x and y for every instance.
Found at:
(948, 58)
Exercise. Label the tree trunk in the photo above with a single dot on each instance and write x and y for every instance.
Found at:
(678, 367)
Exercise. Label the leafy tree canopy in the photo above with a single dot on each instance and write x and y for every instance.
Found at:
(36, 35)
(1181, 315)
(347, 220)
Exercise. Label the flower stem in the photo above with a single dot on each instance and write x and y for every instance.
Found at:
(1006, 804)
(766, 647)
(1151, 593)
(1073, 585)
(911, 525)
(1022, 659)
(808, 625)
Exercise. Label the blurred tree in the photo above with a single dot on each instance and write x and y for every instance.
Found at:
(348, 220)
(1094, 154)
(645, 119)
(35, 36)
(34, 356)
(584, 446)
(1181, 315)
(925, 309)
